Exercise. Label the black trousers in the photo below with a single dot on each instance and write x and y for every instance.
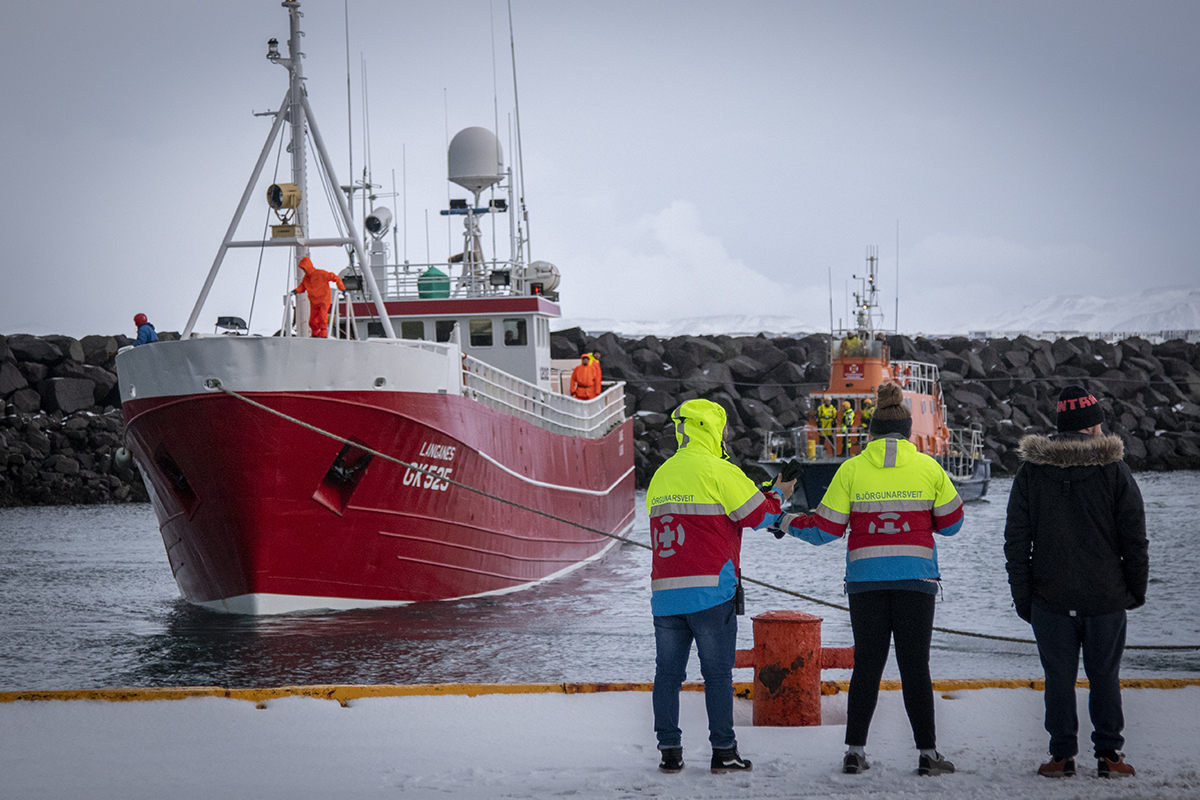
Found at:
(1102, 640)
(876, 618)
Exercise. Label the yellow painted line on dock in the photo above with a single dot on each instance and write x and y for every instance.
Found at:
(345, 693)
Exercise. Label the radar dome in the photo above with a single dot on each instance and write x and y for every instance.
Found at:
(476, 159)
(544, 273)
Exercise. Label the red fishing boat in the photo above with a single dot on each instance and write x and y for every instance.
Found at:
(424, 450)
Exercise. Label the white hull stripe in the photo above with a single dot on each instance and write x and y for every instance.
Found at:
(685, 582)
(290, 603)
(555, 486)
(914, 550)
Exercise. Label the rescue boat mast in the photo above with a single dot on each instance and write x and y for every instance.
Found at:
(868, 316)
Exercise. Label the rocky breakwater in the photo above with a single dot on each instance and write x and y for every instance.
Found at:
(1150, 393)
(62, 422)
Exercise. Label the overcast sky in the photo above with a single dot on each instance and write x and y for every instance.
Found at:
(682, 159)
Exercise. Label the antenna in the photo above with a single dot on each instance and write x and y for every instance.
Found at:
(404, 185)
(349, 111)
(896, 315)
(830, 300)
(520, 153)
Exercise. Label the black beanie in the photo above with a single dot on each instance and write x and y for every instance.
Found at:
(882, 427)
(1077, 409)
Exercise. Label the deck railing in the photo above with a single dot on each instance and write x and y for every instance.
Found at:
(546, 409)
(965, 448)
(915, 376)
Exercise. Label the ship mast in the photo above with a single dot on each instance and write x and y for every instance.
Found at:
(295, 109)
(866, 305)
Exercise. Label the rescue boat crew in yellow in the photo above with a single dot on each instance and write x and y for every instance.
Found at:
(888, 501)
(826, 418)
(699, 503)
(847, 425)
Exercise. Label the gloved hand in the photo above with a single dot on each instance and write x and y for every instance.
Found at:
(779, 532)
(791, 470)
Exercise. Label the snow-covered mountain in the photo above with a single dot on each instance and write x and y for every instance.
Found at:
(1150, 311)
(1147, 311)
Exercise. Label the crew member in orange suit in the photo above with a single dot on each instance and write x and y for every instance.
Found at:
(585, 379)
(316, 283)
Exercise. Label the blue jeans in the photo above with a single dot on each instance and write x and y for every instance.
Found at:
(1102, 639)
(715, 633)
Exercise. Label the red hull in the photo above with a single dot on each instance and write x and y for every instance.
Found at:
(249, 507)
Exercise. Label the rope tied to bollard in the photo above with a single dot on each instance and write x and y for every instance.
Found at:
(214, 384)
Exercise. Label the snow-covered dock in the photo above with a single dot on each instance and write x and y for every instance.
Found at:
(552, 744)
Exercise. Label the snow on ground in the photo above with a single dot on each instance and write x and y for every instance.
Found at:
(583, 746)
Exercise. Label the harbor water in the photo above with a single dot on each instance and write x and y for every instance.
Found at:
(87, 600)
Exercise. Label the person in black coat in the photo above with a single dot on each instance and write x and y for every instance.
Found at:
(1076, 552)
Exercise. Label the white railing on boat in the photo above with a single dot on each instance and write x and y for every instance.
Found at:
(965, 448)
(915, 376)
(546, 409)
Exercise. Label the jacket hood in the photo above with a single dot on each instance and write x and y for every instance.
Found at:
(306, 265)
(889, 451)
(1071, 450)
(700, 424)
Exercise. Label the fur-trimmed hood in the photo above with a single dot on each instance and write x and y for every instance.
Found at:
(1071, 450)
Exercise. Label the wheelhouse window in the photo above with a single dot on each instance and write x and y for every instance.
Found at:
(481, 332)
(514, 333)
(412, 329)
(444, 328)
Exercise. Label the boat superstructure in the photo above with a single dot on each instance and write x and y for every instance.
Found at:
(860, 361)
(422, 451)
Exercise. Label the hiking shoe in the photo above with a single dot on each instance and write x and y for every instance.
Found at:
(854, 763)
(1058, 768)
(672, 760)
(729, 761)
(937, 765)
(1111, 764)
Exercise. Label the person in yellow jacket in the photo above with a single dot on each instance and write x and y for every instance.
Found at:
(316, 284)
(868, 411)
(826, 419)
(585, 378)
(887, 503)
(699, 504)
(847, 426)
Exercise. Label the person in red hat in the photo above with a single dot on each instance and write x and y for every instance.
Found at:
(1078, 559)
(145, 331)
(316, 283)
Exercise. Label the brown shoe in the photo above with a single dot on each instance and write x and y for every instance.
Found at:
(1058, 768)
(1107, 767)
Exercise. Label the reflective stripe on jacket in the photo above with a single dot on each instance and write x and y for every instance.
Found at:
(699, 503)
(891, 500)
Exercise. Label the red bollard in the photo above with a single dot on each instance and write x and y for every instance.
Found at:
(787, 660)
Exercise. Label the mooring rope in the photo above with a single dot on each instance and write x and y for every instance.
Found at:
(214, 383)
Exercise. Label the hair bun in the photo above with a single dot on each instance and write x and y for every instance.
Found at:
(889, 394)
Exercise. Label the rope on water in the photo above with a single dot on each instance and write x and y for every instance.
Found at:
(213, 383)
